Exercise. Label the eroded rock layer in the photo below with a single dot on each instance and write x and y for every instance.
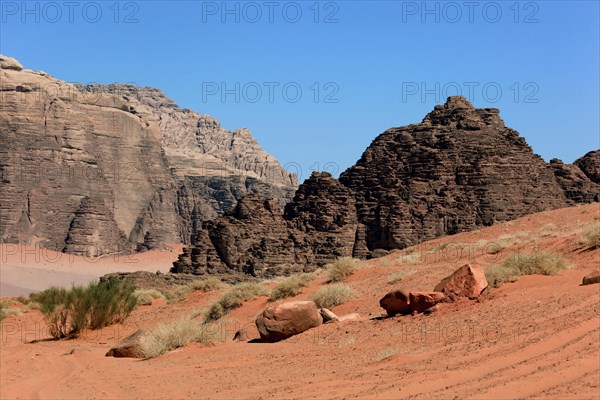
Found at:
(459, 169)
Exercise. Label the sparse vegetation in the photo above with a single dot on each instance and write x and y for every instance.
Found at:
(332, 295)
(591, 237)
(519, 264)
(208, 284)
(289, 287)
(232, 299)
(68, 312)
(6, 311)
(398, 276)
(146, 297)
(387, 353)
(548, 230)
(342, 268)
(167, 337)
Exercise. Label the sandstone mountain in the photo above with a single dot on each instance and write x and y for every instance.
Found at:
(459, 169)
(93, 170)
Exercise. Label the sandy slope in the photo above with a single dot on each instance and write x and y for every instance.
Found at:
(536, 338)
(30, 269)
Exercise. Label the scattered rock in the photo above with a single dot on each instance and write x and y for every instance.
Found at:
(421, 301)
(328, 315)
(131, 346)
(591, 278)
(287, 319)
(467, 281)
(241, 336)
(396, 302)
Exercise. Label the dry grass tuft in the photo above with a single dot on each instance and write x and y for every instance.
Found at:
(290, 287)
(145, 297)
(232, 299)
(398, 276)
(332, 295)
(519, 264)
(342, 268)
(208, 284)
(167, 337)
(591, 237)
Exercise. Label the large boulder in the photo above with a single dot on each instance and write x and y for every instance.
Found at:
(421, 301)
(396, 302)
(131, 346)
(467, 281)
(288, 319)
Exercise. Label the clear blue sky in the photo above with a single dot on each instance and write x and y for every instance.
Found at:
(374, 54)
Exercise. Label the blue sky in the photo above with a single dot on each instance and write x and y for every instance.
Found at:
(361, 66)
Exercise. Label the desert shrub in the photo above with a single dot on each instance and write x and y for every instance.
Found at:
(68, 312)
(519, 264)
(398, 276)
(145, 297)
(342, 268)
(232, 299)
(178, 293)
(6, 311)
(167, 337)
(208, 284)
(332, 295)
(289, 287)
(591, 237)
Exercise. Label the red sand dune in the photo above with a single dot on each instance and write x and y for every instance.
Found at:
(536, 338)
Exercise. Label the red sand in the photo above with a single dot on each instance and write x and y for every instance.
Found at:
(536, 338)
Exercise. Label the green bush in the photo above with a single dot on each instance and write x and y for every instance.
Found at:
(519, 264)
(332, 295)
(145, 297)
(290, 287)
(68, 312)
(233, 299)
(342, 268)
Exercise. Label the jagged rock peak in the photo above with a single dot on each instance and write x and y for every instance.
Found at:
(590, 165)
(459, 113)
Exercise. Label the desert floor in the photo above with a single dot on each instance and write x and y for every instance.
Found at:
(536, 338)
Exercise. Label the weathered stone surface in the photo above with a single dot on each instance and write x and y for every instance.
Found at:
(576, 185)
(159, 169)
(288, 319)
(396, 302)
(349, 317)
(421, 301)
(590, 165)
(591, 278)
(131, 346)
(328, 315)
(458, 170)
(467, 281)
(59, 146)
(255, 239)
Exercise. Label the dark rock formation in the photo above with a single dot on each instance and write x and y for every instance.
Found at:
(590, 165)
(459, 169)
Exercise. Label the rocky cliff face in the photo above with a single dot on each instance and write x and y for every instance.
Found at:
(65, 156)
(81, 166)
(459, 169)
(590, 165)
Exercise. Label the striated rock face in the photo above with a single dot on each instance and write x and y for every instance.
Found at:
(256, 239)
(94, 231)
(154, 171)
(576, 185)
(58, 147)
(459, 169)
(214, 167)
(590, 165)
